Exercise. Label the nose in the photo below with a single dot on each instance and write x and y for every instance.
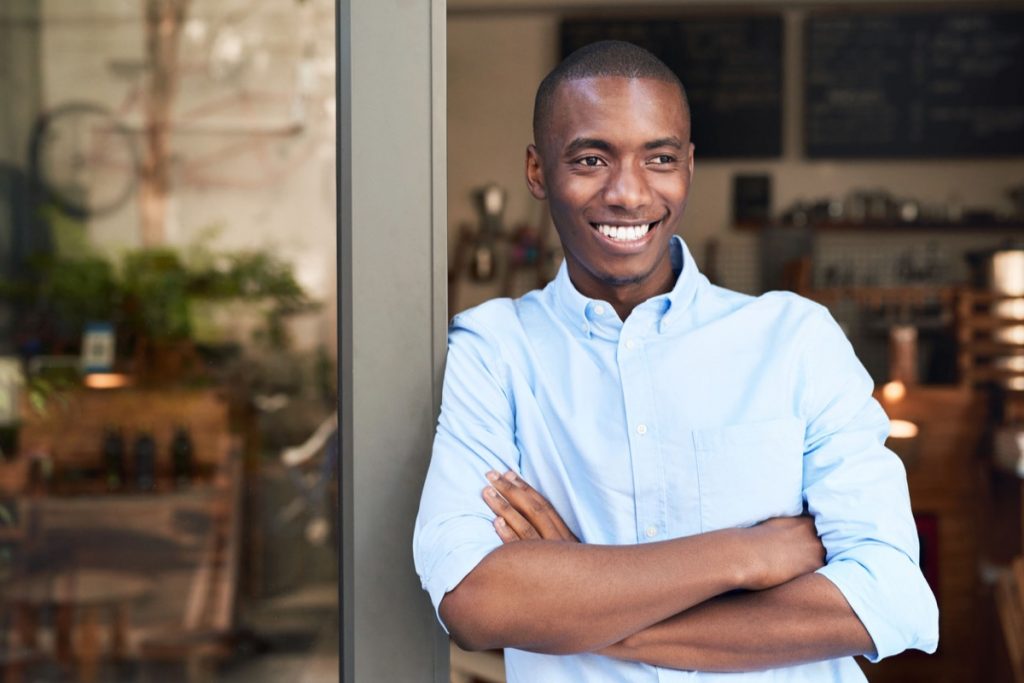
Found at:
(627, 188)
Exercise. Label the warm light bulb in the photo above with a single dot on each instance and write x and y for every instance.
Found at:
(894, 391)
(902, 429)
(107, 380)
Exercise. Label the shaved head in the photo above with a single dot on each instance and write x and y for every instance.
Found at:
(606, 58)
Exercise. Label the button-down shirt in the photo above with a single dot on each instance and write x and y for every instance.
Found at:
(705, 409)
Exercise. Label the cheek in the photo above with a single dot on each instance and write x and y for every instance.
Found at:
(673, 189)
(569, 210)
(566, 225)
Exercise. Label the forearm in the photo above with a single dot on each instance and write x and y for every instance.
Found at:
(557, 597)
(801, 621)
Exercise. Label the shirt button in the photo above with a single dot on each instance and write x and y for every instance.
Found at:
(599, 309)
(641, 429)
(585, 327)
(651, 531)
(630, 344)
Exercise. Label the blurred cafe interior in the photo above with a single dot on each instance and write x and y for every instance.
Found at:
(167, 345)
(168, 292)
(867, 155)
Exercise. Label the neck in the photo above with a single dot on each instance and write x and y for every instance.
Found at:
(623, 297)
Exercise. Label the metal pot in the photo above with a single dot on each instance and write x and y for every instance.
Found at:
(1000, 270)
(1009, 448)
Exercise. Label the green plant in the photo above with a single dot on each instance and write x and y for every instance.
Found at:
(252, 276)
(77, 290)
(155, 285)
(66, 288)
(149, 292)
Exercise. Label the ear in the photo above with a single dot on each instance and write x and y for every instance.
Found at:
(535, 173)
(690, 160)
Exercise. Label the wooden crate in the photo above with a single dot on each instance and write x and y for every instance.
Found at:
(988, 338)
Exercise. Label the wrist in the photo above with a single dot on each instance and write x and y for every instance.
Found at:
(627, 647)
(747, 568)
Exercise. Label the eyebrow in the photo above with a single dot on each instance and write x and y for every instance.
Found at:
(587, 143)
(673, 142)
(596, 143)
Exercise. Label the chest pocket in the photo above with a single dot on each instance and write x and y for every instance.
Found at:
(749, 473)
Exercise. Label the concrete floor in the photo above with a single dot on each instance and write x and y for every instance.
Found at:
(300, 630)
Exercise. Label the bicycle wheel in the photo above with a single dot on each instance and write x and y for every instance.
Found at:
(84, 159)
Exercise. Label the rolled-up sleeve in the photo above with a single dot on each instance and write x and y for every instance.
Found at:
(475, 433)
(856, 489)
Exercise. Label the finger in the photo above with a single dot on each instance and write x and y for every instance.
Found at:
(518, 498)
(519, 524)
(544, 506)
(541, 507)
(505, 532)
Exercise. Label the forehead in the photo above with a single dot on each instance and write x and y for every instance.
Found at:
(611, 107)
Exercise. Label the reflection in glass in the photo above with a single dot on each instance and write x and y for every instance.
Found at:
(168, 483)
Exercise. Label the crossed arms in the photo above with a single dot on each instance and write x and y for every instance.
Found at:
(659, 603)
(675, 603)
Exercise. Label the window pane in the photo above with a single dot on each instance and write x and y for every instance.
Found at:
(168, 479)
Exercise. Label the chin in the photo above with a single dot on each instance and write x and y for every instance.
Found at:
(623, 277)
(613, 280)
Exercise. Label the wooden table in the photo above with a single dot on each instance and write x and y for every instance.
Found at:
(89, 592)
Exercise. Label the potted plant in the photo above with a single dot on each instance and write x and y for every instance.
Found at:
(162, 301)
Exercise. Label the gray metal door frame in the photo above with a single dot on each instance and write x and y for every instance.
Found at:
(392, 324)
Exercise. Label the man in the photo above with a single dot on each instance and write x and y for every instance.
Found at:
(712, 492)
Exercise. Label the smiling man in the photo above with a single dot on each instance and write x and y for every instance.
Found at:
(710, 489)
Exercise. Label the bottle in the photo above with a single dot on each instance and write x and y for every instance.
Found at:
(181, 457)
(113, 458)
(145, 462)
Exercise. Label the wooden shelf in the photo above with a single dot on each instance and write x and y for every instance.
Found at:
(1014, 227)
(908, 295)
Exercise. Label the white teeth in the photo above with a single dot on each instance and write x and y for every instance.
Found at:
(627, 233)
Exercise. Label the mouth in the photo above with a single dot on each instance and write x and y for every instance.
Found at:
(626, 233)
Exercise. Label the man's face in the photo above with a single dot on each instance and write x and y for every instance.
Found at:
(615, 165)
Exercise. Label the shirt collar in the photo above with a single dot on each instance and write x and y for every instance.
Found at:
(579, 310)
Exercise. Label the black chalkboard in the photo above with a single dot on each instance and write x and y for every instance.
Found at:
(944, 83)
(731, 68)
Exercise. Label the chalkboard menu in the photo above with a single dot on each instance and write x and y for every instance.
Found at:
(924, 84)
(731, 69)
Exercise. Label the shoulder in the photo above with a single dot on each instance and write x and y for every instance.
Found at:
(792, 307)
(492, 319)
(491, 331)
(786, 311)
(507, 319)
(504, 333)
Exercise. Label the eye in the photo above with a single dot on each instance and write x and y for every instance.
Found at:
(662, 159)
(590, 161)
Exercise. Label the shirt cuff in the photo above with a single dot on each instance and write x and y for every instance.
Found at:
(451, 569)
(889, 595)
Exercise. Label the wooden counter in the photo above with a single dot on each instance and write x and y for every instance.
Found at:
(71, 431)
(947, 473)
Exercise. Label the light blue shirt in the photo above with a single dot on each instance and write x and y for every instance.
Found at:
(705, 409)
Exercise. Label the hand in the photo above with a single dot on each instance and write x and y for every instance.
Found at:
(522, 513)
(782, 549)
